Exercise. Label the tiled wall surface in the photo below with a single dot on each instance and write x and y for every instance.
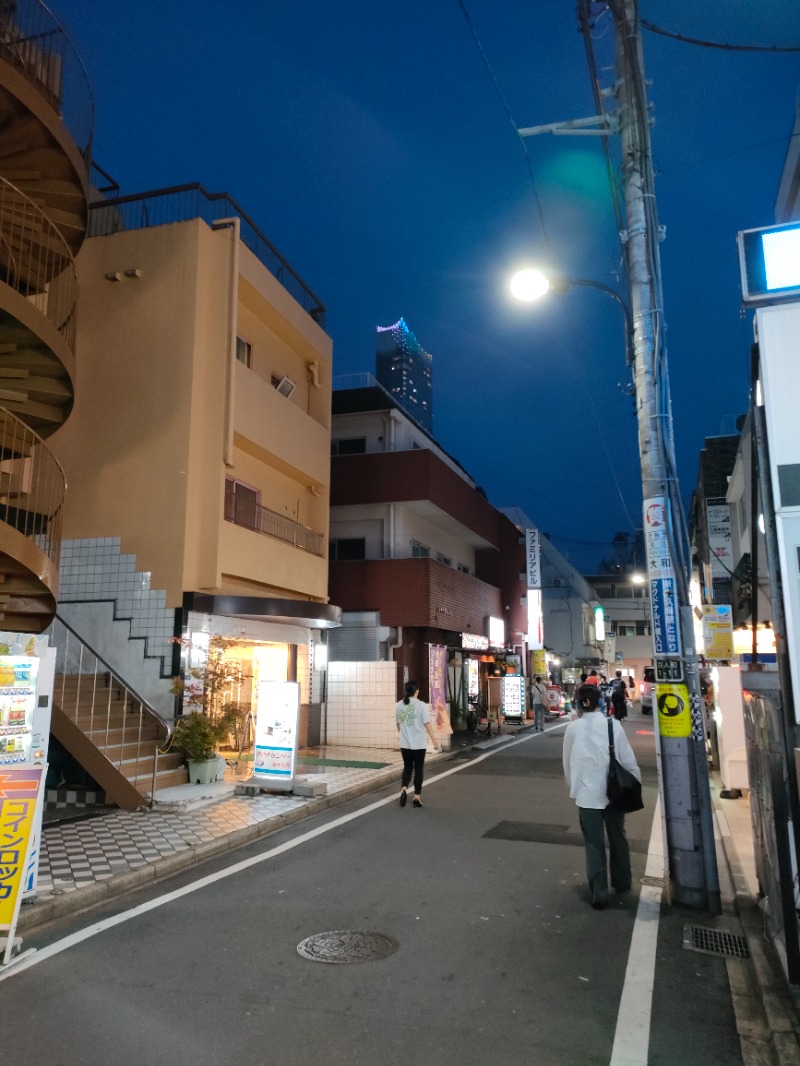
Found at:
(361, 703)
(94, 569)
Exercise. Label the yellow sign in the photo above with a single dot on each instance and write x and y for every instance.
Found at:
(717, 631)
(674, 716)
(539, 663)
(19, 793)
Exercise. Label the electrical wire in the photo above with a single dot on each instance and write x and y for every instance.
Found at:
(718, 44)
(509, 115)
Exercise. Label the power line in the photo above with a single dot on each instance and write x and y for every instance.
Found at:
(507, 109)
(717, 44)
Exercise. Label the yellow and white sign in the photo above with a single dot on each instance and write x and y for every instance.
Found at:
(20, 792)
(717, 631)
(674, 716)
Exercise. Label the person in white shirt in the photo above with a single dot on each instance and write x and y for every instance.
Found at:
(586, 760)
(413, 723)
(539, 699)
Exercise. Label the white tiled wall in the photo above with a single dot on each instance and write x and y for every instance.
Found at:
(361, 703)
(94, 569)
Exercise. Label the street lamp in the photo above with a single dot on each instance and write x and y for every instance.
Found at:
(530, 284)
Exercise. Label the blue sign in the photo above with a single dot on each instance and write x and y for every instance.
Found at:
(664, 610)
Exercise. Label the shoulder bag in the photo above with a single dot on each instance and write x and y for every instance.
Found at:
(624, 792)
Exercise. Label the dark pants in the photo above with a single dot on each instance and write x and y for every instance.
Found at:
(594, 826)
(413, 763)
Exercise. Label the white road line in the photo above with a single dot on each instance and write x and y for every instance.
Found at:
(632, 1035)
(27, 961)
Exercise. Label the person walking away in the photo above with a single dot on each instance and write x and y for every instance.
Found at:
(576, 710)
(619, 697)
(586, 761)
(539, 697)
(413, 723)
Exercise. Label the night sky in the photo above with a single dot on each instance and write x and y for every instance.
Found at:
(370, 143)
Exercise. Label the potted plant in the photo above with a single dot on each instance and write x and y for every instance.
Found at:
(197, 736)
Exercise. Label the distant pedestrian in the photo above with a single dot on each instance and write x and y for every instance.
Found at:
(413, 723)
(576, 710)
(539, 698)
(586, 760)
(619, 697)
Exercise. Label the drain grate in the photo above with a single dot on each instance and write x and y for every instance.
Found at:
(347, 946)
(715, 942)
(653, 882)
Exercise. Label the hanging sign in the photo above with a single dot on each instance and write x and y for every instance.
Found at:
(533, 558)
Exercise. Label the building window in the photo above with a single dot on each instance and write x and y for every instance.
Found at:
(244, 351)
(348, 548)
(349, 446)
(241, 503)
(642, 629)
(444, 559)
(419, 551)
(464, 569)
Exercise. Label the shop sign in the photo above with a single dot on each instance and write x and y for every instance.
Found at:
(497, 632)
(717, 631)
(533, 558)
(277, 716)
(513, 696)
(437, 688)
(535, 620)
(473, 677)
(474, 642)
(539, 663)
(674, 715)
(718, 522)
(20, 793)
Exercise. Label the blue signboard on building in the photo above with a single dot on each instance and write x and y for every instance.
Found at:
(663, 604)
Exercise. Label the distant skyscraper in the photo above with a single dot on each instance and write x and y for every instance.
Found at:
(405, 370)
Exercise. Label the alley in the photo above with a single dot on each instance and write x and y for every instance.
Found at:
(500, 959)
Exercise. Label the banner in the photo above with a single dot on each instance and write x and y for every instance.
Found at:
(20, 793)
(437, 688)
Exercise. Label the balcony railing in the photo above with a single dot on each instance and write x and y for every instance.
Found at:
(246, 512)
(32, 486)
(184, 202)
(35, 260)
(34, 42)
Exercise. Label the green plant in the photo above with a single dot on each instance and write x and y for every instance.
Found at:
(197, 736)
(207, 686)
(233, 720)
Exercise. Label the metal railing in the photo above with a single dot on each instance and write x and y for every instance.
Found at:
(106, 709)
(32, 485)
(246, 512)
(180, 203)
(34, 42)
(36, 261)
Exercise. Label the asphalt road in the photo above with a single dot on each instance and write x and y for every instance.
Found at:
(500, 959)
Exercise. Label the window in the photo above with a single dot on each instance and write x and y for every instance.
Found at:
(241, 503)
(464, 569)
(244, 351)
(349, 446)
(348, 548)
(444, 559)
(419, 551)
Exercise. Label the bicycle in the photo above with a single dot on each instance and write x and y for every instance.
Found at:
(478, 721)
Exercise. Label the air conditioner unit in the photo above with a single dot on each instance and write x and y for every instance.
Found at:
(286, 387)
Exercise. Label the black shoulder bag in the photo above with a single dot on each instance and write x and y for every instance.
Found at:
(623, 790)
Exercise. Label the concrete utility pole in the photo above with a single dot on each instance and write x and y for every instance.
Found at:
(678, 707)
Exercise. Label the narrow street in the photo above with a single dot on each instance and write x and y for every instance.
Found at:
(500, 958)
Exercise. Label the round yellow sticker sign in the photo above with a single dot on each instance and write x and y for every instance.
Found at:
(674, 716)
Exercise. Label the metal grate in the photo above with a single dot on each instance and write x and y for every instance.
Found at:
(653, 882)
(715, 942)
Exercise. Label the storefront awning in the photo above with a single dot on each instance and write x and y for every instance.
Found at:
(266, 609)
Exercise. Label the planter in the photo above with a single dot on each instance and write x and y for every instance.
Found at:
(203, 772)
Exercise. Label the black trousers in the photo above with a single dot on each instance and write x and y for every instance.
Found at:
(413, 763)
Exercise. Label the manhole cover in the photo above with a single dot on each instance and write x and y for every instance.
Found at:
(715, 942)
(347, 946)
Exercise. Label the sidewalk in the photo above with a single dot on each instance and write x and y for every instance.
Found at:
(95, 859)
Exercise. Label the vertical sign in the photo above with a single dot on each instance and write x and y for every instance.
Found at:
(535, 620)
(277, 716)
(437, 667)
(718, 524)
(663, 599)
(20, 795)
(533, 558)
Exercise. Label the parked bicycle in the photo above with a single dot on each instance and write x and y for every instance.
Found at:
(479, 720)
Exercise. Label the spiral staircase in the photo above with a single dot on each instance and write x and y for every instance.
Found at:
(46, 123)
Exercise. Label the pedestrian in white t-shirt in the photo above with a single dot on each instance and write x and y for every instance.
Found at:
(413, 723)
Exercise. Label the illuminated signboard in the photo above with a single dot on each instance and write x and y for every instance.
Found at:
(497, 632)
(474, 642)
(599, 624)
(769, 261)
(535, 620)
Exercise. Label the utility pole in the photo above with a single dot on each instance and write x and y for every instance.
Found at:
(678, 708)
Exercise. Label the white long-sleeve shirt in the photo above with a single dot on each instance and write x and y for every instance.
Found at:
(586, 758)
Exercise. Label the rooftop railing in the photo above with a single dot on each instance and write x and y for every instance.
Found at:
(34, 42)
(181, 203)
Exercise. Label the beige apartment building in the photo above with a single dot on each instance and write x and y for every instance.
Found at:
(198, 451)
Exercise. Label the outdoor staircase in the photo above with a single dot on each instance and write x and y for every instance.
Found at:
(116, 736)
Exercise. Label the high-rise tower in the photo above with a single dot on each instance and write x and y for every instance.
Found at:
(404, 369)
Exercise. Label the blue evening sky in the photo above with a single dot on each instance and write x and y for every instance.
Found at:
(369, 143)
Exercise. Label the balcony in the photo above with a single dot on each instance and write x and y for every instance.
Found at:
(244, 510)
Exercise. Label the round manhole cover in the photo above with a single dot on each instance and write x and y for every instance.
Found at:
(347, 946)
